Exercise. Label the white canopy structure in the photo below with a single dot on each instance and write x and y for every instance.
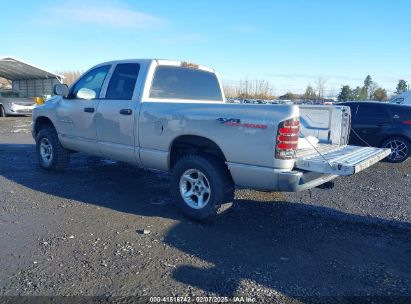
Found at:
(27, 78)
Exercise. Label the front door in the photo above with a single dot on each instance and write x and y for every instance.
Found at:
(76, 114)
(116, 114)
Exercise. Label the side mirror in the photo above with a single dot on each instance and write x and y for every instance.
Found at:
(61, 89)
(85, 93)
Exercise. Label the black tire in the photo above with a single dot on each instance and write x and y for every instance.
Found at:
(215, 176)
(52, 156)
(400, 149)
(2, 111)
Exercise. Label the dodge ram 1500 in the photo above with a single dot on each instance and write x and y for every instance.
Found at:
(172, 116)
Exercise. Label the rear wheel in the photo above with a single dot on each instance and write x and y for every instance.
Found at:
(200, 185)
(2, 111)
(400, 149)
(51, 154)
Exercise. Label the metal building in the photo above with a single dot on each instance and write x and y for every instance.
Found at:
(28, 79)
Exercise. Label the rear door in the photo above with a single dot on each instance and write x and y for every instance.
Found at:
(116, 114)
(370, 122)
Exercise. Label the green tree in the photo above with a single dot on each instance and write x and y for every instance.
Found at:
(363, 94)
(355, 94)
(401, 86)
(368, 85)
(289, 96)
(380, 94)
(372, 89)
(309, 93)
(367, 81)
(345, 94)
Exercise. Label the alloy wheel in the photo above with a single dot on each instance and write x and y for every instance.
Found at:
(195, 188)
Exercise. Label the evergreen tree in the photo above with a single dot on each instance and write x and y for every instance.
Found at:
(367, 81)
(401, 86)
(363, 94)
(345, 94)
(355, 94)
(368, 84)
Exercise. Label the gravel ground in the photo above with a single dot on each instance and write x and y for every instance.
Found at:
(107, 229)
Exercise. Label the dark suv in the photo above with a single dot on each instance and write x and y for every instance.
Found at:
(381, 124)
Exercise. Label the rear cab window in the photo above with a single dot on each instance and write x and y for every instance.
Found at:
(187, 83)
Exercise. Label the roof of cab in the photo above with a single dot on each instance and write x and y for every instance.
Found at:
(160, 62)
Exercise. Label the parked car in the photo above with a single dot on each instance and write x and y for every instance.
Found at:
(402, 99)
(173, 116)
(15, 103)
(385, 125)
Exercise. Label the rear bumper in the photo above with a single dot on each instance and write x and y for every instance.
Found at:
(269, 179)
(295, 181)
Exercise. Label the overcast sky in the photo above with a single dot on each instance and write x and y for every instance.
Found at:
(289, 43)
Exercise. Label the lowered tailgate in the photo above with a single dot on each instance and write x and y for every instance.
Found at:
(338, 160)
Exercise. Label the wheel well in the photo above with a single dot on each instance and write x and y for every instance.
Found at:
(42, 122)
(392, 136)
(190, 144)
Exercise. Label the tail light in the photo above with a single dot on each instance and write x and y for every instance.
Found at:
(406, 122)
(287, 139)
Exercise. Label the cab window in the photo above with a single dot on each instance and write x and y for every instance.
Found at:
(89, 86)
(172, 82)
(123, 81)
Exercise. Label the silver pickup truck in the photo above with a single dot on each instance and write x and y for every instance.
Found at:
(172, 116)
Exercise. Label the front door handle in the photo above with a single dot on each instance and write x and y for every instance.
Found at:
(89, 110)
(126, 112)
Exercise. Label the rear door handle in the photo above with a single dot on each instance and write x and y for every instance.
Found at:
(89, 110)
(126, 112)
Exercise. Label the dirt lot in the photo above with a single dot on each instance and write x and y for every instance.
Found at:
(105, 228)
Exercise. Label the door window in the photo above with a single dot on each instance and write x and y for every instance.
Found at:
(89, 86)
(371, 113)
(123, 81)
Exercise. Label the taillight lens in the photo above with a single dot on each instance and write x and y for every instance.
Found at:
(287, 139)
(406, 122)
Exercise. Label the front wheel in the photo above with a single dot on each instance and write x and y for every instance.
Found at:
(400, 149)
(200, 185)
(51, 154)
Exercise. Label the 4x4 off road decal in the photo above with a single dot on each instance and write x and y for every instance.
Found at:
(235, 122)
